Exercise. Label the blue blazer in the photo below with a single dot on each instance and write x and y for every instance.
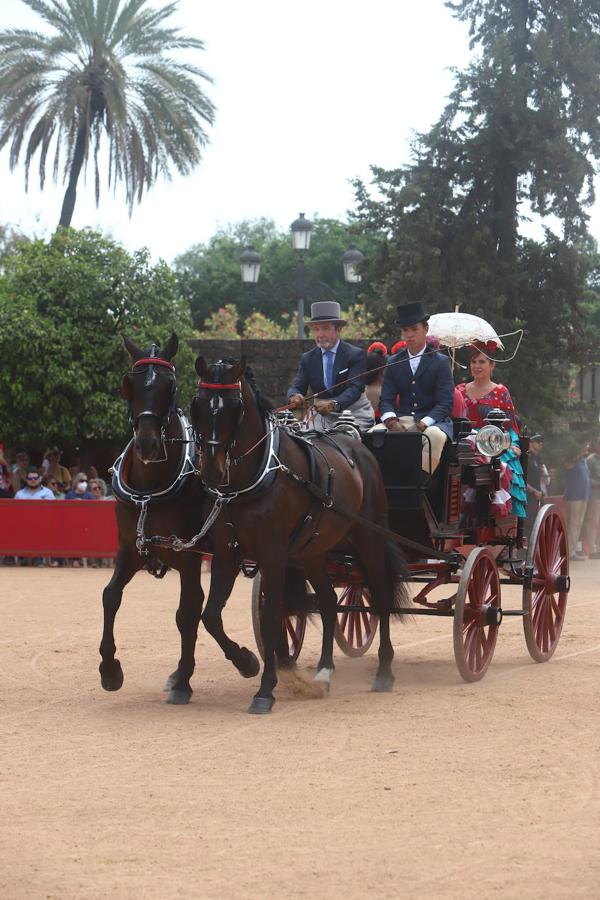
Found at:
(429, 392)
(349, 362)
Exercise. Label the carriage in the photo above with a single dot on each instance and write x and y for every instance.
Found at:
(448, 542)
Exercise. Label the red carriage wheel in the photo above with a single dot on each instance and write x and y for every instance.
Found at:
(293, 626)
(477, 614)
(355, 630)
(545, 601)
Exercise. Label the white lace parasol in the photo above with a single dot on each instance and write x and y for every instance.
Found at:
(458, 329)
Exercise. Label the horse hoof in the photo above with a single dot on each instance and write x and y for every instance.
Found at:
(261, 706)
(249, 665)
(111, 675)
(171, 681)
(179, 697)
(383, 684)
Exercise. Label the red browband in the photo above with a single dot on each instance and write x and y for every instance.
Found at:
(154, 361)
(237, 386)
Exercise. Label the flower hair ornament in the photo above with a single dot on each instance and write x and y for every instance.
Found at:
(378, 347)
(399, 345)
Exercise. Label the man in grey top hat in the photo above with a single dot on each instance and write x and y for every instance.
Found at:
(333, 370)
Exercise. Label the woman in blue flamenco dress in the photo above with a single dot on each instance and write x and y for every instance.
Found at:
(481, 395)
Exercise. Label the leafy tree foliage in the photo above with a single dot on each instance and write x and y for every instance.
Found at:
(105, 69)
(520, 135)
(208, 275)
(63, 307)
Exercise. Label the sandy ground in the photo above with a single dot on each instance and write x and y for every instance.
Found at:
(441, 789)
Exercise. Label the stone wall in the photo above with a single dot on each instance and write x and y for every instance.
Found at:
(274, 363)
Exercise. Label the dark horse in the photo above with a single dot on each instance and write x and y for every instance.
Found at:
(273, 512)
(158, 493)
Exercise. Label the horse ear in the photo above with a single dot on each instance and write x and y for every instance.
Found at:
(238, 369)
(134, 352)
(201, 367)
(171, 347)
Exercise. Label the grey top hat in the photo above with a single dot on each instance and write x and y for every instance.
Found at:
(411, 314)
(325, 311)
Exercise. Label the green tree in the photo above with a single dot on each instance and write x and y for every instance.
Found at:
(105, 69)
(208, 275)
(520, 135)
(63, 307)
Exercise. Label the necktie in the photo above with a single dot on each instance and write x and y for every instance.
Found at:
(328, 368)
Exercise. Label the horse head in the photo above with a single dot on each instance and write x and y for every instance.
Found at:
(217, 411)
(150, 388)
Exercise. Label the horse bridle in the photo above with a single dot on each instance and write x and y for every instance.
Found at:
(216, 406)
(150, 376)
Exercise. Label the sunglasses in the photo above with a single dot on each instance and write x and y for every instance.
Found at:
(33, 477)
(95, 487)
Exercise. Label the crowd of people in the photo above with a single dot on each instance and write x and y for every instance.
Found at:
(20, 479)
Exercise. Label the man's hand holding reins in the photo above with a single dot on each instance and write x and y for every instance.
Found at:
(323, 407)
(296, 401)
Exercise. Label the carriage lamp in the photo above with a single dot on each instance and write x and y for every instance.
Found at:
(351, 261)
(492, 441)
(250, 265)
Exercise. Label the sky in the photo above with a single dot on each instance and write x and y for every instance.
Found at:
(308, 96)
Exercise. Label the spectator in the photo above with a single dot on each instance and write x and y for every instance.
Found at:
(98, 489)
(535, 468)
(19, 470)
(53, 468)
(51, 482)
(79, 489)
(34, 490)
(577, 492)
(591, 527)
(5, 479)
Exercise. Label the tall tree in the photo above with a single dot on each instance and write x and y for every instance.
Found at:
(519, 137)
(105, 70)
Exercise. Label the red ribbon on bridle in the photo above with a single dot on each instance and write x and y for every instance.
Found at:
(154, 361)
(237, 386)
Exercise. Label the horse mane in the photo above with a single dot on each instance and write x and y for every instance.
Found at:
(265, 404)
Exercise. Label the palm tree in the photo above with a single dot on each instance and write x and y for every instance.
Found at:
(103, 69)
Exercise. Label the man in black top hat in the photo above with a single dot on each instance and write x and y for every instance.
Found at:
(418, 388)
(332, 370)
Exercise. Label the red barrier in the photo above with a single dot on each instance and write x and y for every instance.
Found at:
(58, 528)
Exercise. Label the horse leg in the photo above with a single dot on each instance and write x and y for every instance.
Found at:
(223, 577)
(271, 623)
(187, 617)
(372, 558)
(127, 563)
(327, 600)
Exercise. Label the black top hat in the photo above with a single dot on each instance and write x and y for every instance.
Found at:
(411, 314)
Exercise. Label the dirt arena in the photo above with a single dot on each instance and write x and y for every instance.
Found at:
(439, 790)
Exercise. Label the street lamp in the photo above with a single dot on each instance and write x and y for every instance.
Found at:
(301, 230)
(250, 265)
(351, 260)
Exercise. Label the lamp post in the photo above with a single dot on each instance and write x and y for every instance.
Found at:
(301, 230)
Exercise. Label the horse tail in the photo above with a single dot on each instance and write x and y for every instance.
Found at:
(296, 598)
(396, 574)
